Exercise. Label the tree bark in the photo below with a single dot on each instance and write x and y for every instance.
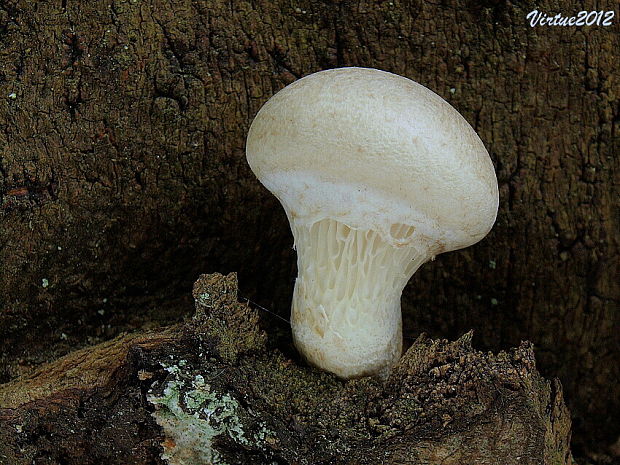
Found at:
(221, 396)
(122, 171)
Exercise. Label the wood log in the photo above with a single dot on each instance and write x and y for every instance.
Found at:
(213, 391)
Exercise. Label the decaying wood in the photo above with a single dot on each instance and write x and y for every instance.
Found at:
(212, 391)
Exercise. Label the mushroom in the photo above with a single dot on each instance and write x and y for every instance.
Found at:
(377, 175)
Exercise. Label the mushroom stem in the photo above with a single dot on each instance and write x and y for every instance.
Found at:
(346, 314)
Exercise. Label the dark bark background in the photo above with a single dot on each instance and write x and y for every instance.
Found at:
(123, 176)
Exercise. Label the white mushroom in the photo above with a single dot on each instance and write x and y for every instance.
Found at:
(377, 175)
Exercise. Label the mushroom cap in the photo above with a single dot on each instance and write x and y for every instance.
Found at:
(375, 151)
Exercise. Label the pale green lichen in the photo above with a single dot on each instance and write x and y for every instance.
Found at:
(192, 413)
(204, 299)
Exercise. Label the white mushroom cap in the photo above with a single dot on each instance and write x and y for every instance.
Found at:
(374, 150)
(377, 174)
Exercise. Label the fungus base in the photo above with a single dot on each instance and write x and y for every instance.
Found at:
(346, 314)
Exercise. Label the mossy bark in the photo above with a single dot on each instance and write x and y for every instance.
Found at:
(222, 396)
(122, 171)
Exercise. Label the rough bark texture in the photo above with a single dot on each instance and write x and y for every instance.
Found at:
(222, 397)
(122, 174)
